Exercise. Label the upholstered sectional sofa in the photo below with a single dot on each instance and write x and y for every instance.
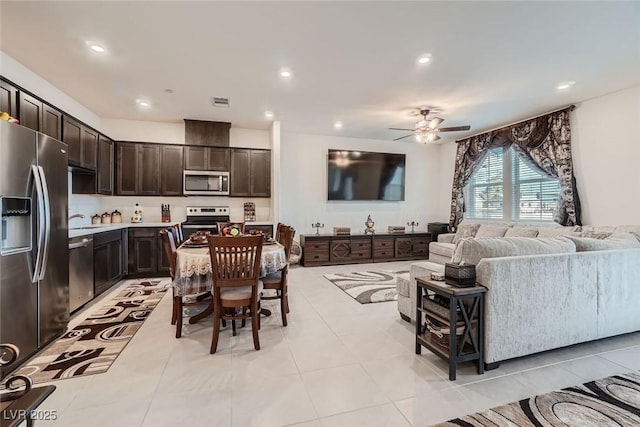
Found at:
(572, 285)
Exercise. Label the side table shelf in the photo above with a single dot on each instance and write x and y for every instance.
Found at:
(466, 312)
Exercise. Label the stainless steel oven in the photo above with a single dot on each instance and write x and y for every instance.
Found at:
(206, 183)
(205, 218)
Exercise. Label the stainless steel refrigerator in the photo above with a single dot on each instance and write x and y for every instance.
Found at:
(34, 256)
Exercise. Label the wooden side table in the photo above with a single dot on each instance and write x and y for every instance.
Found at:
(466, 311)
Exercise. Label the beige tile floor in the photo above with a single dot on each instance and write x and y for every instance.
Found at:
(338, 363)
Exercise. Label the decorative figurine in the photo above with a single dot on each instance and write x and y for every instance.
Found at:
(317, 226)
(413, 224)
(369, 224)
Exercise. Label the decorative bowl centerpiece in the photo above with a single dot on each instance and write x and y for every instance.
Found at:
(199, 237)
(231, 230)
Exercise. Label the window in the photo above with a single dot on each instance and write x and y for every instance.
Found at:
(506, 187)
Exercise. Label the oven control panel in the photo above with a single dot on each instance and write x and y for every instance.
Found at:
(207, 210)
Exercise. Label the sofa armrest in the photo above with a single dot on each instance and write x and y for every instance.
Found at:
(446, 237)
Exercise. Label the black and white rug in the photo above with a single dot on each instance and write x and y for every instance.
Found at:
(92, 346)
(367, 286)
(612, 401)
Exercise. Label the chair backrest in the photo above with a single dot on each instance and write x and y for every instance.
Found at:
(222, 225)
(278, 230)
(286, 238)
(170, 246)
(235, 261)
(176, 229)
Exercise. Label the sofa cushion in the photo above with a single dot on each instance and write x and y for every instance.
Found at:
(635, 229)
(597, 232)
(559, 231)
(471, 251)
(490, 230)
(615, 241)
(439, 248)
(521, 232)
(465, 230)
(403, 282)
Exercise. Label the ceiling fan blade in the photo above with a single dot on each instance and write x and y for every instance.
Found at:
(455, 128)
(403, 137)
(408, 130)
(435, 122)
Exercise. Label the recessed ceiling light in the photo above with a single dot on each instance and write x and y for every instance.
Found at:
(286, 73)
(97, 48)
(268, 114)
(423, 59)
(565, 85)
(143, 103)
(337, 125)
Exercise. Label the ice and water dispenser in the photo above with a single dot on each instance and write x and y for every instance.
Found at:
(15, 229)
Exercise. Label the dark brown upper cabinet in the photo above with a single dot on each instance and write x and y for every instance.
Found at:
(82, 142)
(171, 170)
(207, 158)
(144, 169)
(250, 173)
(8, 96)
(200, 132)
(105, 165)
(37, 115)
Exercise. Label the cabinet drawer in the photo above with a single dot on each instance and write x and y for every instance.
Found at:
(383, 244)
(421, 241)
(144, 232)
(317, 247)
(316, 256)
(106, 237)
(364, 254)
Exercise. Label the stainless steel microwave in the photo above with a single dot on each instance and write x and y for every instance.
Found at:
(206, 183)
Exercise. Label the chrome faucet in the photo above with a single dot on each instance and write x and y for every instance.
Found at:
(76, 216)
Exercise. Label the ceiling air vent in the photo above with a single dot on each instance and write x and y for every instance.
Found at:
(220, 102)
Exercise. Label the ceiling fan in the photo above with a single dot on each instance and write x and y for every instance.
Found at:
(426, 130)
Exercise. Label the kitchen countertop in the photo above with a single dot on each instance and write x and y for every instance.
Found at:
(101, 228)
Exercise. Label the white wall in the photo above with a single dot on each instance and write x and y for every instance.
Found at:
(605, 139)
(303, 185)
(24, 77)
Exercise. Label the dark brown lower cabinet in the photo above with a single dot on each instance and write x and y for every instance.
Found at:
(146, 257)
(108, 259)
(327, 249)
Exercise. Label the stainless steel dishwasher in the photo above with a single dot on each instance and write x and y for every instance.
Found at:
(80, 271)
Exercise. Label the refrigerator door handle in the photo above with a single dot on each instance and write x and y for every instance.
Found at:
(40, 221)
(47, 222)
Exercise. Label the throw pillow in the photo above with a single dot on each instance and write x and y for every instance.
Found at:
(465, 230)
(521, 232)
(615, 241)
(488, 230)
(472, 251)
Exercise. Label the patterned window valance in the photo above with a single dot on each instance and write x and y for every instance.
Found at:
(544, 141)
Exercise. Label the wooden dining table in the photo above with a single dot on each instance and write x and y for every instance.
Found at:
(193, 271)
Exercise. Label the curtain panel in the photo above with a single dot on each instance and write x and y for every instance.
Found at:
(544, 142)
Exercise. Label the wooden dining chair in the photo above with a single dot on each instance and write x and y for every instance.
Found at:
(178, 235)
(235, 272)
(278, 281)
(170, 247)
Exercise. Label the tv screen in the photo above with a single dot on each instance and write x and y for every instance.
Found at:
(362, 175)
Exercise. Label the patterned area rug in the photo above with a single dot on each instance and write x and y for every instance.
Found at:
(367, 286)
(91, 347)
(612, 401)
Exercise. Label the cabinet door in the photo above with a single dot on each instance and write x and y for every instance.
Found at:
(340, 250)
(195, 158)
(143, 255)
(8, 95)
(361, 248)
(383, 247)
(126, 169)
(72, 136)
(30, 111)
(89, 148)
(101, 264)
(218, 159)
(105, 165)
(260, 173)
(171, 170)
(420, 246)
(403, 247)
(163, 261)
(148, 170)
(240, 171)
(116, 267)
(51, 122)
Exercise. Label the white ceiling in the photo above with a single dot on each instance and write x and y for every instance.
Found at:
(493, 62)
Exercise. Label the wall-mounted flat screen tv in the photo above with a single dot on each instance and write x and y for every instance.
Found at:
(363, 175)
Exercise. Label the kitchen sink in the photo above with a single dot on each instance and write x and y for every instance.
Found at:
(86, 227)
